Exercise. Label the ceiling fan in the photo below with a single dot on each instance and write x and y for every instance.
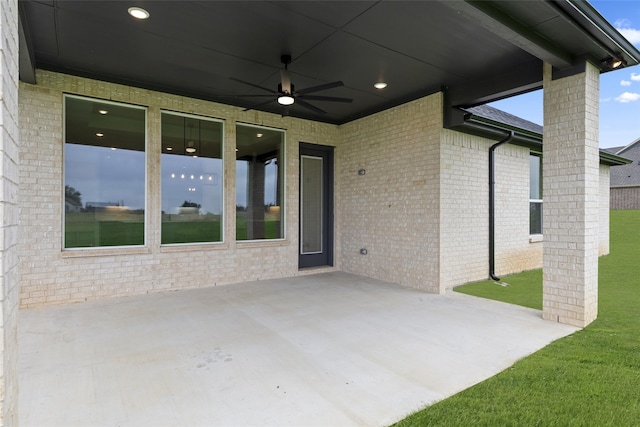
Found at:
(287, 95)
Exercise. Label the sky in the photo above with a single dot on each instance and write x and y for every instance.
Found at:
(619, 89)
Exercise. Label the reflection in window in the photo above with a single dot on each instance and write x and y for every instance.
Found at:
(535, 194)
(104, 173)
(192, 186)
(259, 183)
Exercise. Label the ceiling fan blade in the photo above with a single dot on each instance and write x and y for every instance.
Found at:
(308, 106)
(325, 98)
(251, 84)
(258, 106)
(320, 87)
(247, 96)
(285, 81)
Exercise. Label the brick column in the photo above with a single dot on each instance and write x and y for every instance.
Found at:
(8, 211)
(570, 194)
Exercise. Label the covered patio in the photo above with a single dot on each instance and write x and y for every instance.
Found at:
(136, 330)
(326, 349)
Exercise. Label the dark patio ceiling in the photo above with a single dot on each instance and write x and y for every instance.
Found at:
(480, 51)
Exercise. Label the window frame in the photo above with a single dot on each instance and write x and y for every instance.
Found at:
(81, 249)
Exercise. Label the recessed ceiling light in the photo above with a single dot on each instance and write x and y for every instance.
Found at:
(103, 112)
(169, 148)
(138, 13)
(259, 135)
(100, 134)
(380, 85)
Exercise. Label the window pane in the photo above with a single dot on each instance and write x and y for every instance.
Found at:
(104, 175)
(192, 199)
(259, 183)
(311, 204)
(535, 194)
(535, 218)
(535, 177)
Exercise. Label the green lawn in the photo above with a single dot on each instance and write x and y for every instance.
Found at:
(591, 378)
(205, 230)
(85, 231)
(271, 228)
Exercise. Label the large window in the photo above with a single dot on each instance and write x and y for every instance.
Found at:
(259, 183)
(535, 194)
(104, 173)
(192, 196)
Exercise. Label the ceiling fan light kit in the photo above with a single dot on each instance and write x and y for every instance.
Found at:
(286, 100)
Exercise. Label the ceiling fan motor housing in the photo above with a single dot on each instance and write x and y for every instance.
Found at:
(286, 60)
(285, 92)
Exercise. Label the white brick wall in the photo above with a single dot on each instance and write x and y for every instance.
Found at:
(392, 210)
(465, 210)
(421, 209)
(9, 211)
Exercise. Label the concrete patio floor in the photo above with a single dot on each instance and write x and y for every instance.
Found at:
(331, 349)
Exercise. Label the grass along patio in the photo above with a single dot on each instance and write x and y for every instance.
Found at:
(590, 378)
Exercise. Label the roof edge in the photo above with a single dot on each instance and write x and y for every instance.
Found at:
(590, 19)
(626, 147)
(479, 126)
(609, 159)
(486, 128)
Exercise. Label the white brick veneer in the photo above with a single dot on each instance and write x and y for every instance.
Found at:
(9, 211)
(571, 197)
(421, 209)
(465, 210)
(393, 210)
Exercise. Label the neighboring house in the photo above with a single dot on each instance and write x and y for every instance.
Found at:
(625, 180)
(71, 205)
(389, 183)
